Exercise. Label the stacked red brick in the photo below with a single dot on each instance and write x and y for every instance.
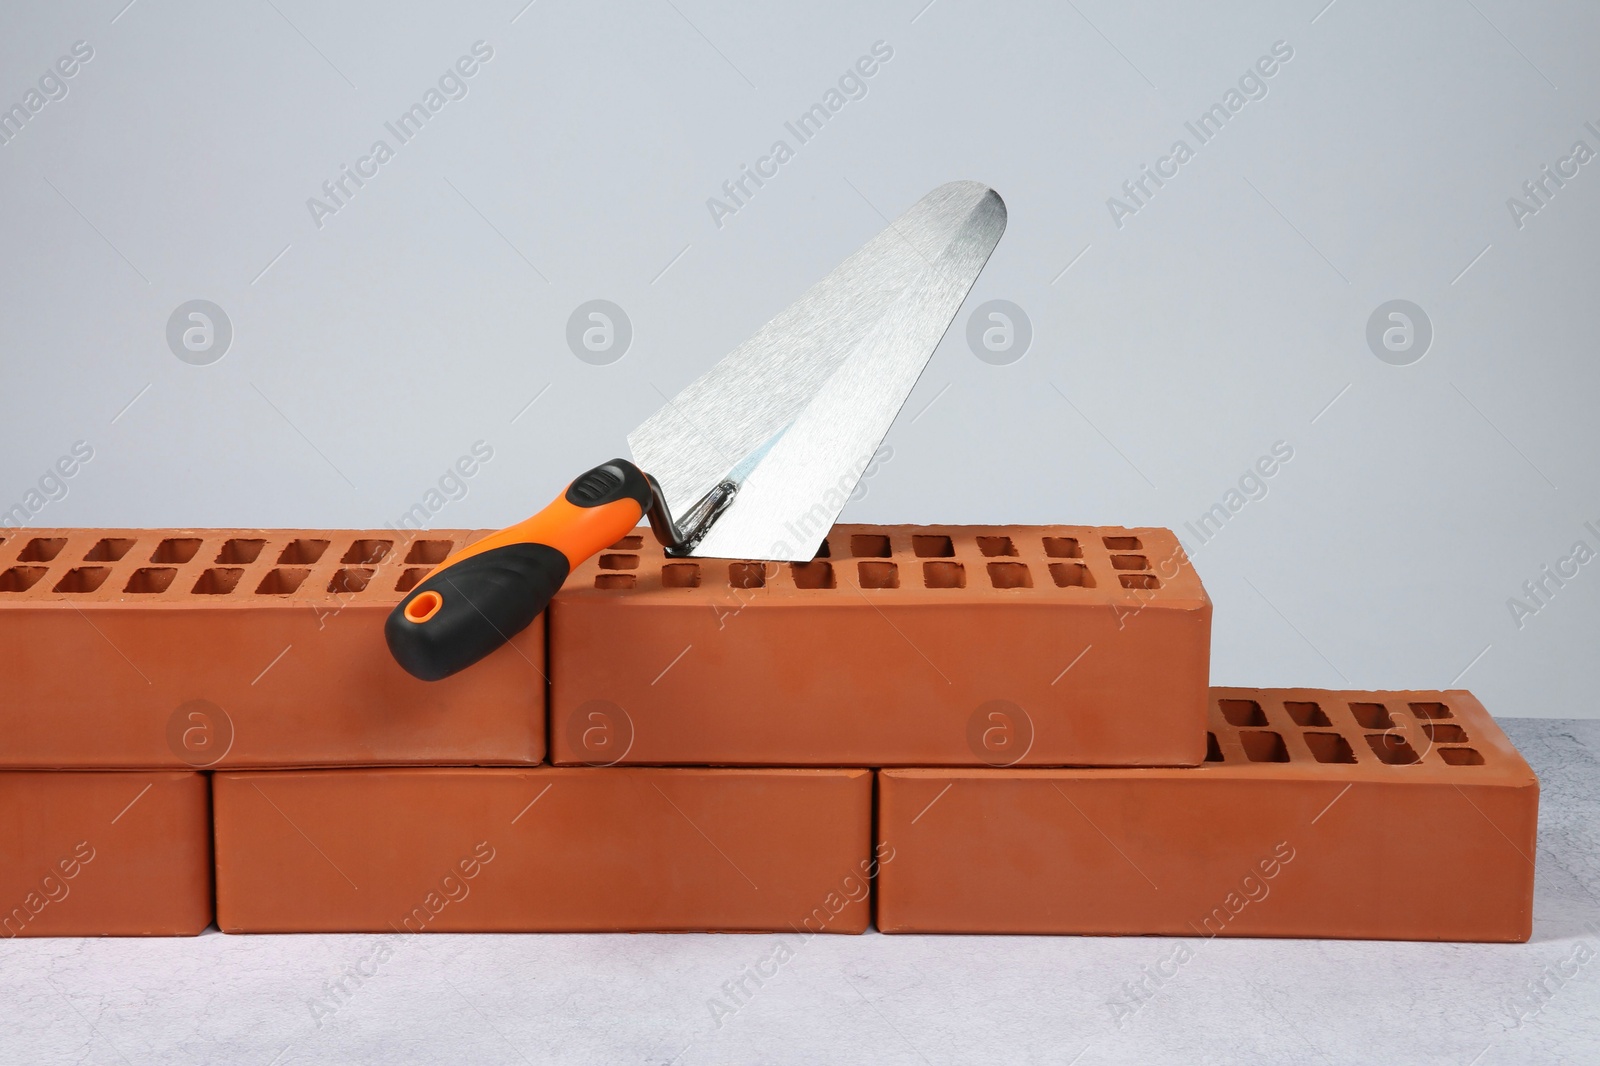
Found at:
(714, 726)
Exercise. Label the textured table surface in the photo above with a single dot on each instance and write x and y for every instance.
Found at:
(661, 999)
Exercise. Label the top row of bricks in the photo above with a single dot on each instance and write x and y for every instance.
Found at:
(165, 564)
(298, 550)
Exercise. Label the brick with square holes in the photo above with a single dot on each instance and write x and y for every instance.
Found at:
(897, 645)
(624, 849)
(104, 854)
(1382, 815)
(234, 648)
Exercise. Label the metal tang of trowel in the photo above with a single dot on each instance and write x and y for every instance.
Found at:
(753, 460)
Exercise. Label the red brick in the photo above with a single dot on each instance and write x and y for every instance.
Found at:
(507, 850)
(240, 648)
(1439, 848)
(906, 645)
(104, 854)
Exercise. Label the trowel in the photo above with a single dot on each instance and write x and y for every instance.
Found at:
(753, 460)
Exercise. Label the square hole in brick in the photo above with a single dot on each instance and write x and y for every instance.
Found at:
(614, 581)
(428, 552)
(1010, 575)
(1213, 749)
(870, 546)
(1242, 713)
(1431, 710)
(996, 546)
(282, 581)
(350, 579)
(109, 549)
(1139, 581)
(82, 579)
(822, 551)
(41, 549)
(1122, 544)
(932, 546)
(944, 575)
(1329, 747)
(302, 552)
(681, 575)
(1445, 733)
(1392, 748)
(1063, 548)
(1130, 562)
(619, 562)
(628, 544)
(367, 552)
(1306, 714)
(217, 581)
(747, 575)
(22, 578)
(150, 579)
(1264, 746)
(1071, 575)
(878, 575)
(1372, 715)
(240, 550)
(410, 578)
(817, 574)
(175, 550)
(1461, 756)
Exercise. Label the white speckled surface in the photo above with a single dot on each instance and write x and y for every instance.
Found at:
(647, 999)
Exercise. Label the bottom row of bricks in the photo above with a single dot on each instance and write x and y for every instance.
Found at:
(1380, 815)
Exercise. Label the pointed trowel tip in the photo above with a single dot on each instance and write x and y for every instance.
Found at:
(1000, 208)
(974, 193)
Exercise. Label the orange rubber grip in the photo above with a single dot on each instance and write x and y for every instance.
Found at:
(576, 532)
(486, 593)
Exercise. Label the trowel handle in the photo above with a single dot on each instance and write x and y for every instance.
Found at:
(486, 593)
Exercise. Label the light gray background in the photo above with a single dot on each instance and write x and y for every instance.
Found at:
(1168, 355)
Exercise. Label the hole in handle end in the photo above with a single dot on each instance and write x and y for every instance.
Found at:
(424, 606)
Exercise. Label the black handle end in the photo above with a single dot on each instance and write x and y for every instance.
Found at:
(482, 602)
